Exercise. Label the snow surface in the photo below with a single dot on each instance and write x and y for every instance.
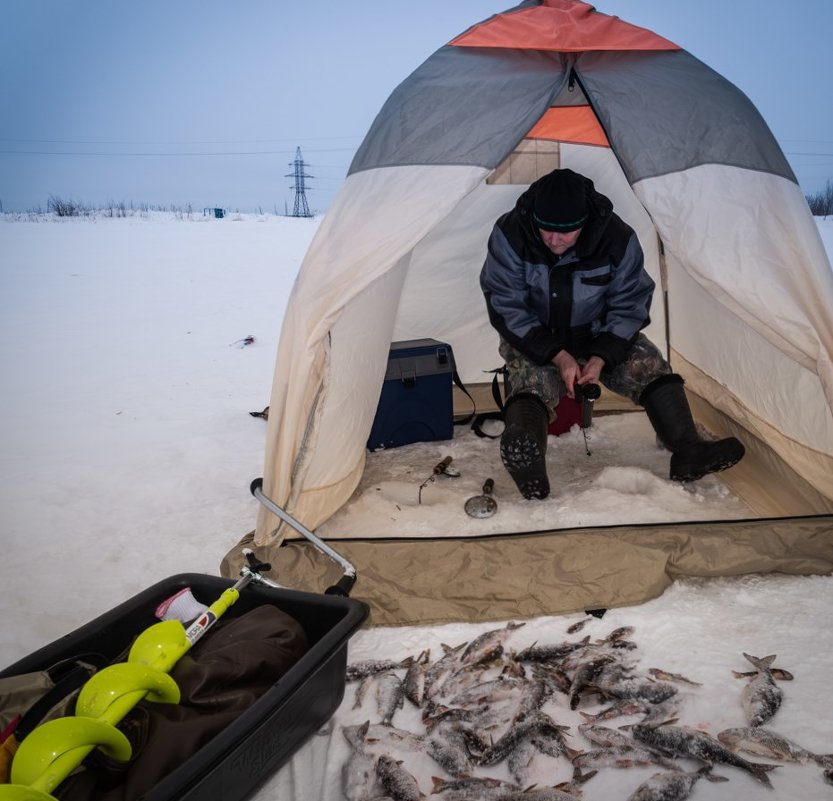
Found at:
(127, 452)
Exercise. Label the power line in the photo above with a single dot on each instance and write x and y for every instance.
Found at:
(174, 142)
(161, 153)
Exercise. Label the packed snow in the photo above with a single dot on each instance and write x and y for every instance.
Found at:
(133, 351)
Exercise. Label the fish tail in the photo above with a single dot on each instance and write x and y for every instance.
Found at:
(761, 662)
(760, 770)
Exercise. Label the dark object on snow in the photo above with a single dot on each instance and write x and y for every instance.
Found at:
(691, 457)
(523, 445)
(484, 505)
(263, 415)
(599, 613)
(293, 701)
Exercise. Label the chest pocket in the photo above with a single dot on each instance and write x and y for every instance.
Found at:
(596, 280)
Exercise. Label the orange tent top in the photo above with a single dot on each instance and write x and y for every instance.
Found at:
(567, 26)
(576, 124)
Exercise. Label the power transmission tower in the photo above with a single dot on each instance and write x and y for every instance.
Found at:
(301, 208)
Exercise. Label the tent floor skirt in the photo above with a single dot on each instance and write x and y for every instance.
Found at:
(408, 582)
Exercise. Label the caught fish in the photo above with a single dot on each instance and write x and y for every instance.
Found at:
(501, 688)
(414, 681)
(450, 756)
(682, 741)
(618, 635)
(519, 761)
(380, 738)
(359, 776)
(484, 646)
(398, 782)
(547, 736)
(578, 626)
(605, 737)
(448, 749)
(361, 670)
(436, 674)
(674, 785)
(622, 756)
(615, 681)
(472, 788)
(390, 696)
(618, 709)
(779, 674)
(613, 740)
(584, 677)
(766, 743)
(664, 675)
(359, 771)
(761, 697)
(538, 794)
(550, 653)
(550, 738)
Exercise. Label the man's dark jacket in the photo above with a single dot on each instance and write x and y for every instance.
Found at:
(593, 300)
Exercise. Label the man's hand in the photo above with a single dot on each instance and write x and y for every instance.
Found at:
(591, 371)
(569, 369)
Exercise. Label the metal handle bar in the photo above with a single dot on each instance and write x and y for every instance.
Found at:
(346, 582)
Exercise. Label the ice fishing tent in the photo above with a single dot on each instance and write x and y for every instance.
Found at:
(746, 305)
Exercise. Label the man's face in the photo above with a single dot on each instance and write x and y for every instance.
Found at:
(557, 242)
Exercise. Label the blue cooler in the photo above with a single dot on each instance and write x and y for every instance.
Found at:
(416, 400)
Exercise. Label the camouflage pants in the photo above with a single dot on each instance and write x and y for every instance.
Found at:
(643, 364)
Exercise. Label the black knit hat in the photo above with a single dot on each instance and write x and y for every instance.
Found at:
(560, 202)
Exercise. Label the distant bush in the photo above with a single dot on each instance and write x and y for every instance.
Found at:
(821, 203)
(65, 208)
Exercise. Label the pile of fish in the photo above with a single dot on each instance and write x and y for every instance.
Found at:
(481, 704)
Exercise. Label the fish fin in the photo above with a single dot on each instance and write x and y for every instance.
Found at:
(781, 674)
(578, 779)
(738, 675)
(710, 777)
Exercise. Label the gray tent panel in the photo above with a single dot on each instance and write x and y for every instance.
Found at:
(466, 106)
(666, 112)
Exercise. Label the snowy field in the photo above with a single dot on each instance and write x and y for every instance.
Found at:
(127, 452)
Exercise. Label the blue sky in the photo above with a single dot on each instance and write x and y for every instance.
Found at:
(205, 102)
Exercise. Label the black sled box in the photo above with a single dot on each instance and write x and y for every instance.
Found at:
(235, 762)
(416, 400)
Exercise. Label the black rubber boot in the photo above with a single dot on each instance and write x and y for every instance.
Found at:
(523, 445)
(691, 456)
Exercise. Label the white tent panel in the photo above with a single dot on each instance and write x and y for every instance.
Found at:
(441, 297)
(759, 374)
(375, 221)
(747, 238)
